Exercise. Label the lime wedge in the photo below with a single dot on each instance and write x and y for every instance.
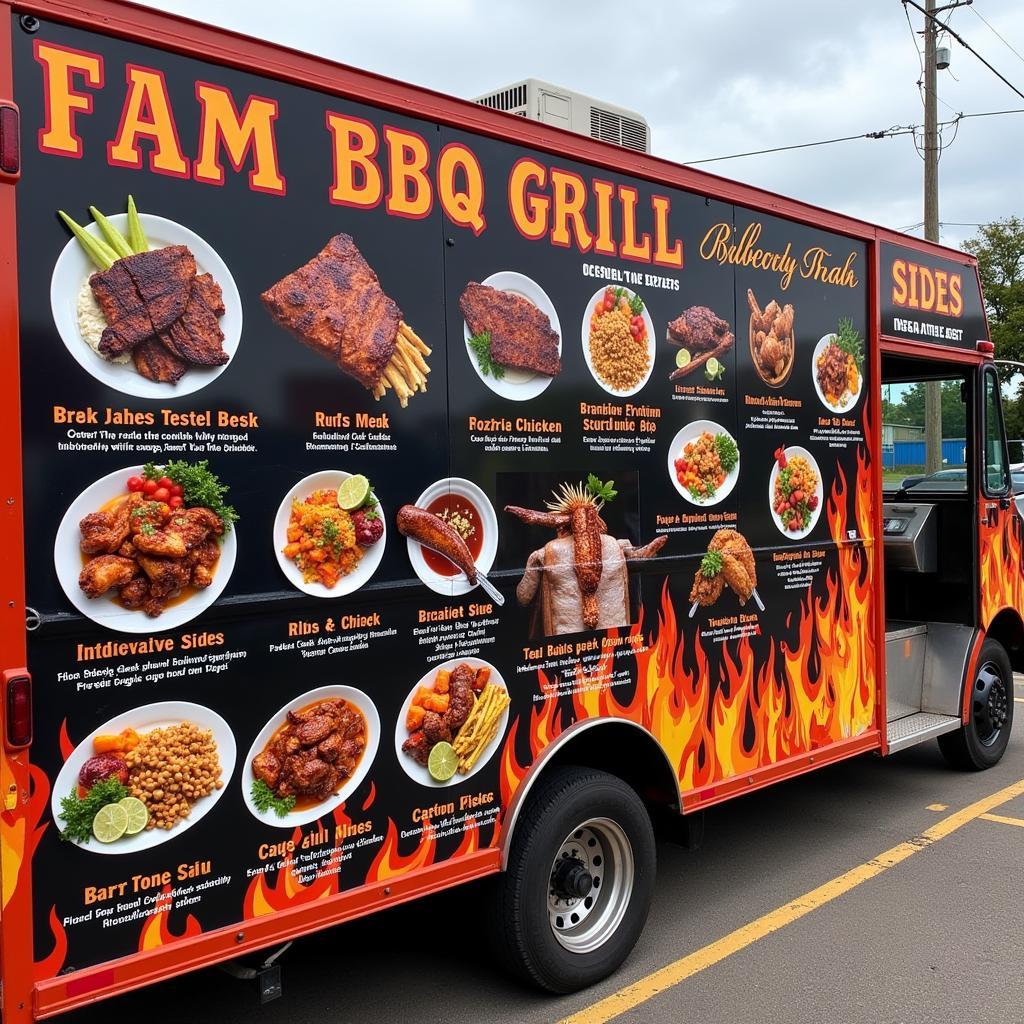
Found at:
(352, 492)
(443, 761)
(110, 823)
(138, 815)
(713, 369)
(683, 358)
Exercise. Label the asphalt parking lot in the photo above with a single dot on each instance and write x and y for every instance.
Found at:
(869, 891)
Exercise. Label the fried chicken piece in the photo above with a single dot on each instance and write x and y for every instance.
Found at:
(735, 577)
(329, 748)
(105, 572)
(417, 747)
(168, 576)
(155, 603)
(161, 543)
(706, 590)
(105, 531)
(314, 729)
(134, 593)
(736, 545)
(770, 353)
(267, 767)
(203, 560)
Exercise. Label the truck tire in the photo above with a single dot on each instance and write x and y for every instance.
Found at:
(982, 741)
(579, 880)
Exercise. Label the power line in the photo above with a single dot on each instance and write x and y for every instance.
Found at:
(885, 133)
(963, 42)
(1005, 41)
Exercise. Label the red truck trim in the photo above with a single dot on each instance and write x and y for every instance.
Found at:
(132, 972)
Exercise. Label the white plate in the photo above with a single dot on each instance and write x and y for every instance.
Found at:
(453, 586)
(518, 385)
(851, 399)
(418, 772)
(651, 348)
(104, 610)
(675, 451)
(308, 814)
(142, 720)
(72, 270)
(792, 450)
(325, 480)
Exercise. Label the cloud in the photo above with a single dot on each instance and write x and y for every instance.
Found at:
(712, 78)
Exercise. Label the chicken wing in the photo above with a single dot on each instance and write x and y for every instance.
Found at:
(105, 531)
(104, 573)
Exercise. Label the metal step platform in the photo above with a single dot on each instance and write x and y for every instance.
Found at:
(905, 732)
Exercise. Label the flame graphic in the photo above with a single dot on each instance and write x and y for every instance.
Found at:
(724, 709)
(390, 862)
(66, 746)
(51, 964)
(287, 889)
(156, 930)
(1002, 568)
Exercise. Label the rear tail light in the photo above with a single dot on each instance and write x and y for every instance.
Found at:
(986, 348)
(18, 709)
(10, 144)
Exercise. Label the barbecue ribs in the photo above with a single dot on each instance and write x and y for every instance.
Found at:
(335, 306)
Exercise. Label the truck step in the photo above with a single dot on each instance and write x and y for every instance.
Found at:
(905, 732)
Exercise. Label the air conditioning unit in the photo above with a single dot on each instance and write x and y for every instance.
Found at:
(542, 101)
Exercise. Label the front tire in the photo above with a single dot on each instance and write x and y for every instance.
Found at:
(982, 741)
(579, 880)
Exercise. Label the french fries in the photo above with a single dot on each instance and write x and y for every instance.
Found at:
(481, 727)
(407, 369)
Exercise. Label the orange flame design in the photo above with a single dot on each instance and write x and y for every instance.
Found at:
(1001, 565)
(157, 932)
(720, 710)
(390, 862)
(66, 746)
(50, 965)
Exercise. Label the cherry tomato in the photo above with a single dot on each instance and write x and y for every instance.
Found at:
(609, 303)
(175, 501)
(135, 483)
(165, 481)
(149, 486)
(634, 330)
(177, 491)
(161, 494)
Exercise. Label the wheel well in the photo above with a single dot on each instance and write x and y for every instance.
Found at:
(626, 751)
(1008, 629)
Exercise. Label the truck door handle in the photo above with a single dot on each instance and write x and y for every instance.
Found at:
(991, 513)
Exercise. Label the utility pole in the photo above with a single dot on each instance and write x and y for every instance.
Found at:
(932, 388)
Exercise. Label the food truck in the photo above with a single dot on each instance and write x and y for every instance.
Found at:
(397, 492)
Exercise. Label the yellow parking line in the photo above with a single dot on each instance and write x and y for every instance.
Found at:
(648, 987)
(1003, 820)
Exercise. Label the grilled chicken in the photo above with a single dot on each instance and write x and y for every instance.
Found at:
(433, 532)
(521, 335)
(197, 338)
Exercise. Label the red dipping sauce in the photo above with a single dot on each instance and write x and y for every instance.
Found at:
(461, 515)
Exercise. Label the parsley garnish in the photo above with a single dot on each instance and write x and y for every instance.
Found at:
(481, 347)
(728, 453)
(78, 812)
(601, 491)
(265, 799)
(711, 564)
(636, 305)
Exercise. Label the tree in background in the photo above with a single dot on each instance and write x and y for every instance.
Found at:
(999, 247)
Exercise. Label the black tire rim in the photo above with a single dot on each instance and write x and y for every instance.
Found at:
(991, 704)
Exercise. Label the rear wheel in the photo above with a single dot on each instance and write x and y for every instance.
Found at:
(982, 741)
(580, 875)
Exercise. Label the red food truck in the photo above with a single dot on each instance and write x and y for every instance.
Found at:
(398, 492)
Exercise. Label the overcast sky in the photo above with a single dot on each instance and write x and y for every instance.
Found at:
(713, 77)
